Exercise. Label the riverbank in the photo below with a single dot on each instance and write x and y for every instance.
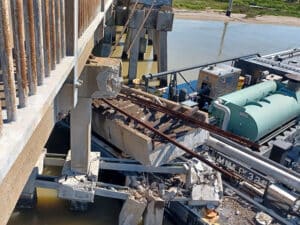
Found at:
(215, 15)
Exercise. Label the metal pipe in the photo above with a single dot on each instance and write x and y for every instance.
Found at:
(254, 154)
(161, 74)
(6, 45)
(227, 113)
(259, 165)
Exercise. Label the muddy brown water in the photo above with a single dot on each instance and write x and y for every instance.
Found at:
(191, 42)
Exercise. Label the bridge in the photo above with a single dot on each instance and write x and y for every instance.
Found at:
(44, 47)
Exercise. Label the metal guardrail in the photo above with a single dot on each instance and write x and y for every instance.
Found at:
(176, 72)
(32, 42)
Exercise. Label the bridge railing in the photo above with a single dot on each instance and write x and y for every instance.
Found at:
(88, 9)
(32, 43)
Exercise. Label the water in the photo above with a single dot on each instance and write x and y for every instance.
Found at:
(192, 42)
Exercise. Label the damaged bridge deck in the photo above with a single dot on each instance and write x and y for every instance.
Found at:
(139, 142)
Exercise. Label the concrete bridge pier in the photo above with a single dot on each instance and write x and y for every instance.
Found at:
(134, 25)
(28, 197)
(99, 79)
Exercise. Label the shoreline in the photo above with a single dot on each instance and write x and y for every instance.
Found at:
(214, 15)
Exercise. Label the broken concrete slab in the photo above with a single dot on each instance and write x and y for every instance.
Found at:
(154, 214)
(132, 212)
(138, 142)
(77, 186)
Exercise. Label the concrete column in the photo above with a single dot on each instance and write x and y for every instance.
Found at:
(150, 36)
(132, 212)
(162, 53)
(154, 44)
(28, 197)
(81, 135)
(127, 43)
(154, 214)
(143, 44)
(134, 51)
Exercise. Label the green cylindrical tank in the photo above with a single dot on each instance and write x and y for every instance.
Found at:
(260, 109)
(251, 94)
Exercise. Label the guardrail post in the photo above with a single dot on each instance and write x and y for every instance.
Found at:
(6, 45)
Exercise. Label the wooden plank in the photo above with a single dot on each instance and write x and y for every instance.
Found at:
(30, 46)
(19, 50)
(6, 45)
(39, 43)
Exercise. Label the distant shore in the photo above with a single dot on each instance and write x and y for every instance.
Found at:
(220, 16)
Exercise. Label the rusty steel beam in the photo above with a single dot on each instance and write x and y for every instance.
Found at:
(30, 42)
(174, 142)
(6, 46)
(39, 41)
(58, 30)
(19, 50)
(46, 9)
(53, 34)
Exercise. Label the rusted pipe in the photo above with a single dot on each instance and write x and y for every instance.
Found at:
(31, 41)
(19, 51)
(6, 45)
